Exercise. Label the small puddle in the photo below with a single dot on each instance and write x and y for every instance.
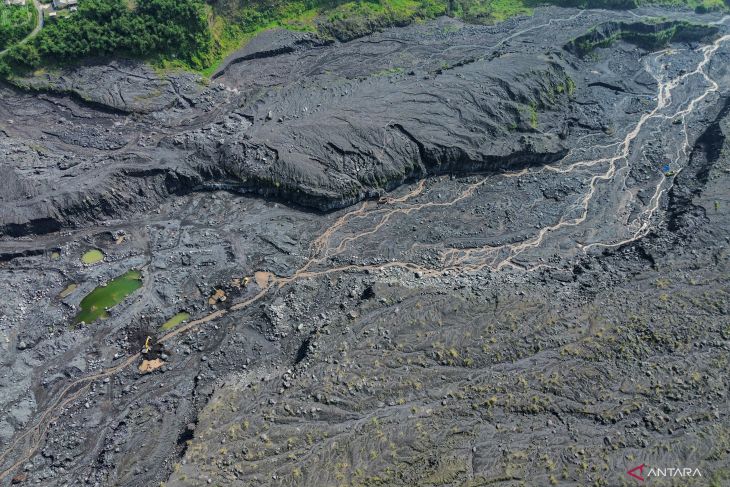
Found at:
(95, 304)
(175, 320)
(92, 256)
(67, 292)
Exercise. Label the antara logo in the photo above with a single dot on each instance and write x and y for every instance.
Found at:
(638, 472)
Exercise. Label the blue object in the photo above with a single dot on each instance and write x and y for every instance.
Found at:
(666, 168)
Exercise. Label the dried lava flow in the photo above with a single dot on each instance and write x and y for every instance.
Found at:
(664, 99)
(487, 256)
(498, 257)
(462, 260)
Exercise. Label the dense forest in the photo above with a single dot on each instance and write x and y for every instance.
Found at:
(176, 29)
(16, 22)
(196, 35)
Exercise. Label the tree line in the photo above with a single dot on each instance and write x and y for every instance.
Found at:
(176, 29)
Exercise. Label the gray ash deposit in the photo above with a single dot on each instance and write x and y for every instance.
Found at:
(441, 254)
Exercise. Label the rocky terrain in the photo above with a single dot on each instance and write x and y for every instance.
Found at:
(441, 254)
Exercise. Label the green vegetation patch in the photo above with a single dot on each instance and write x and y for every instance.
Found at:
(16, 22)
(354, 19)
(605, 4)
(173, 29)
(486, 12)
(93, 256)
(96, 303)
(175, 320)
(699, 6)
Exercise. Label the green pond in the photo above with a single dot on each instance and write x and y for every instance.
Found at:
(94, 304)
(92, 256)
(175, 320)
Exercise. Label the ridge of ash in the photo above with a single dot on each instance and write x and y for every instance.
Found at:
(682, 213)
(297, 119)
(291, 118)
(649, 35)
(271, 43)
